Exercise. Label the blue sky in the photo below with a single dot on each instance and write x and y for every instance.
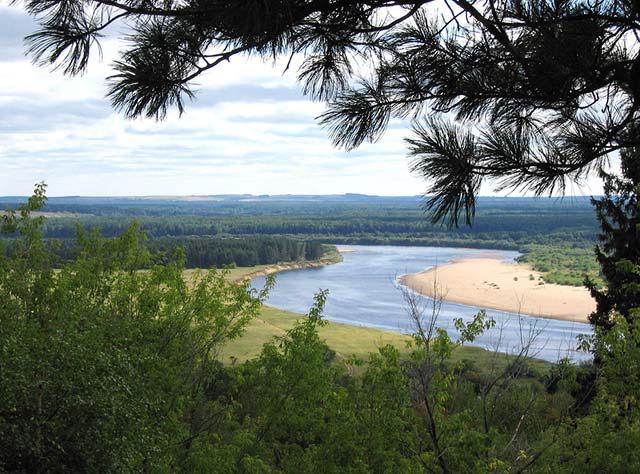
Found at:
(250, 130)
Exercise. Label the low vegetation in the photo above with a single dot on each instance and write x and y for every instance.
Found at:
(349, 342)
(563, 265)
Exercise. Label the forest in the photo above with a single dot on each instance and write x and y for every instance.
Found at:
(207, 252)
(555, 236)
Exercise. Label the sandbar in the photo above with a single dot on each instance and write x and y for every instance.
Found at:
(496, 284)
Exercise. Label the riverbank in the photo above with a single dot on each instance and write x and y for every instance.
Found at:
(495, 284)
(328, 259)
(350, 341)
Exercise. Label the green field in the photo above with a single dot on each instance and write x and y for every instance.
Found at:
(563, 265)
(346, 340)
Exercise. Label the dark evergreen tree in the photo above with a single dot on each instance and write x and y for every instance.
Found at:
(619, 250)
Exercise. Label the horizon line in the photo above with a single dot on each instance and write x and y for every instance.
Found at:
(247, 195)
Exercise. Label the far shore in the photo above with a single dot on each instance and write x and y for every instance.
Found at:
(328, 259)
(495, 284)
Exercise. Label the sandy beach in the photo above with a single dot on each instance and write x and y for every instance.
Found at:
(344, 249)
(496, 284)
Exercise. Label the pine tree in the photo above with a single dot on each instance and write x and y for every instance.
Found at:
(523, 94)
(619, 249)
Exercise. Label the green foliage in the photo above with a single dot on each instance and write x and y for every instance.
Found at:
(295, 410)
(107, 368)
(21, 221)
(104, 368)
(510, 223)
(606, 439)
(618, 251)
(563, 264)
(206, 252)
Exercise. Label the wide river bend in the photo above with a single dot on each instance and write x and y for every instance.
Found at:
(364, 291)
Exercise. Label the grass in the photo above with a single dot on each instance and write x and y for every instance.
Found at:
(233, 274)
(563, 265)
(346, 340)
(330, 256)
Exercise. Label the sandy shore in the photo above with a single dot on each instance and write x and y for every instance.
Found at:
(492, 283)
(345, 249)
(288, 266)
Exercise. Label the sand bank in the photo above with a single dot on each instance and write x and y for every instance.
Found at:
(496, 284)
(344, 249)
(288, 266)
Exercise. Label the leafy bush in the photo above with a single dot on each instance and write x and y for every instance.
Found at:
(103, 368)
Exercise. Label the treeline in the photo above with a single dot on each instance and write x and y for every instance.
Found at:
(208, 252)
(563, 265)
(293, 205)
(500, 240)
(555, 230)
(409, 224)
(557, 238)
(499, 223)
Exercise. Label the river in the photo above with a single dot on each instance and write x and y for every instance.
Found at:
(364, 290)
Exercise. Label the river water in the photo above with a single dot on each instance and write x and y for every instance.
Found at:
(364, 291)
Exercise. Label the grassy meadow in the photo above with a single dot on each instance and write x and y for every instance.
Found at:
(346, 340)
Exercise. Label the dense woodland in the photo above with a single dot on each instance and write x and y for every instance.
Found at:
(556, 236)
(206, 252)
(209, 252)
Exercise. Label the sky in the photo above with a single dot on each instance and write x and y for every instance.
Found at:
(250, 130)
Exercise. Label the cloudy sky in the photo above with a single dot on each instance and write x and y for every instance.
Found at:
(250, 130)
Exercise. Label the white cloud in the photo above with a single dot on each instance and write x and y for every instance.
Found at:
(250, 131)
